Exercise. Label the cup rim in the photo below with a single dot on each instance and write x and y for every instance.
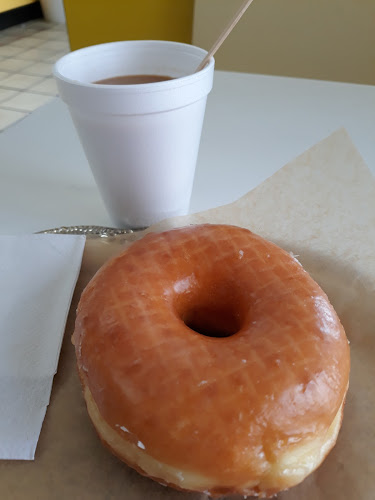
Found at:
(131, 88)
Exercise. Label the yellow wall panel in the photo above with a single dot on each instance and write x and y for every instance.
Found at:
(90, 22)
(13, 4)
(321, 39)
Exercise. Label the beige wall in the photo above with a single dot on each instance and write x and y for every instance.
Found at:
(13, 4)
(323, 39)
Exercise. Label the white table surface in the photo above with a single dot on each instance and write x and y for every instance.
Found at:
(254, 124)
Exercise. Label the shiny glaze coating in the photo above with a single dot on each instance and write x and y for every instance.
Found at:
(272, 375)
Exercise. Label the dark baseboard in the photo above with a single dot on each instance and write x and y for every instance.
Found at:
(20, 15)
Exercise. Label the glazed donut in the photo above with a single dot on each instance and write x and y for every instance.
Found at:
(211, 361)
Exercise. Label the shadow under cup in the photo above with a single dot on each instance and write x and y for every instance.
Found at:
(141, 140)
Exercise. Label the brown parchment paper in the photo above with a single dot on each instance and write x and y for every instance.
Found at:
(321, 206)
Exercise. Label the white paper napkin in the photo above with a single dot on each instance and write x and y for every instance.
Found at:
(38, 274)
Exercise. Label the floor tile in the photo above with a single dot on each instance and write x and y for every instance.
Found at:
(16, 30)
(6, 39)
(7, 94)
(48, 34)
(27, 42)
(62, 35)
(37, 69)
(20, 82)
(7, 117)
(57, 45)
(47, 86)
(26, 29)
(8, 51)
(36, 54)
(12, 64)
(60, 27)
(26, 101)
(27, 54)
(55, 57)
(40, 24)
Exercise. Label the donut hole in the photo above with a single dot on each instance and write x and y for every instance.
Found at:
(212, 321)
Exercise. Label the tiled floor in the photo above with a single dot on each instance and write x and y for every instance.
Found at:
(27, 55)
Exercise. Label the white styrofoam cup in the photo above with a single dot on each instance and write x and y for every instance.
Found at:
(142, 140)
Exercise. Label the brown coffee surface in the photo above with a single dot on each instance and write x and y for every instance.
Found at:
(133, 79)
